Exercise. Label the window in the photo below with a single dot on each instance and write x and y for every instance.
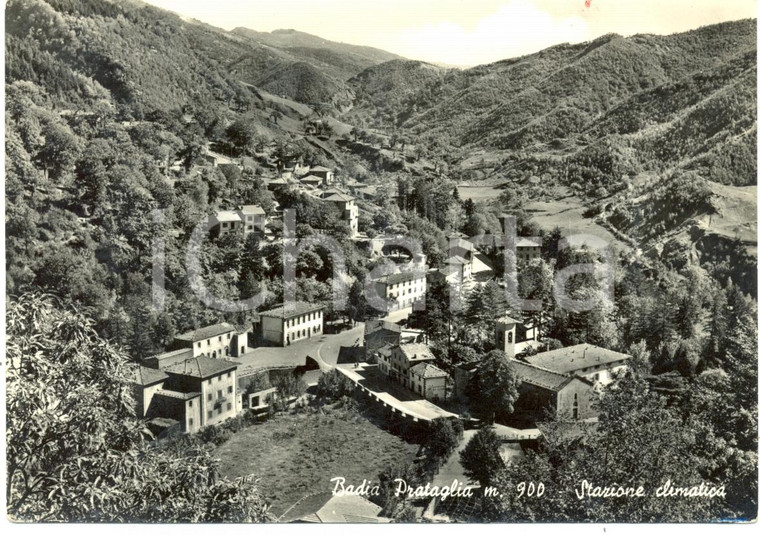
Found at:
(229, 389)
(210, 396)
(229, 406)
(509, 337)
(190, 403)
(228, 336)
(190, 422)
(220, 338)
(210, 415)
(208, 342)
(596, 378)
(229, 375)
(219, 394)
(242, 349)
(199, 344)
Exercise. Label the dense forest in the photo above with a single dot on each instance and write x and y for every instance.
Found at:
(103, 98)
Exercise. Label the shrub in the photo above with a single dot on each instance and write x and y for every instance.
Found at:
(333, 385)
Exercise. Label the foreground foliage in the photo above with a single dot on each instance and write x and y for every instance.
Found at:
(76, 452)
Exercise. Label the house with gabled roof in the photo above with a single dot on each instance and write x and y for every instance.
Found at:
(542, 391)
(401, 290)
(188, 395)
(596, 364)
(311, 180)
(413, 366)
(428, 380)
(324, 173)
(564, 381)
(218, 340)
(348, 210)
(292, 322)
(326, 507)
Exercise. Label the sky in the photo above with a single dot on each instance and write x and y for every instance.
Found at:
(461, 32)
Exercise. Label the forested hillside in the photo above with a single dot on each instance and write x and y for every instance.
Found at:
(616, 121)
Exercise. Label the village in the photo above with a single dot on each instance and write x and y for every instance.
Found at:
(217, 372)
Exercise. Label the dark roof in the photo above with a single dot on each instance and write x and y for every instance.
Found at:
(428, 370)
(201, 367)
(372, 326)
(404, 276)
(540, 377)
(149, 376)
(339, 197)
(185, 351)
(292, 310)
(178, 395)
(574, 358)
(206, 332)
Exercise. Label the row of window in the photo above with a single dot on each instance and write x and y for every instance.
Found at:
(210, 396)
(300, 333)
(210, 414)
(208, 342)
(303, 319)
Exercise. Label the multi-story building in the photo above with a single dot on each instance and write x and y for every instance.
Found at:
(188, 395)
(246, 219)
(564, 381)
(596, 364)
(380, 333)
(413, 366)
(226, 221)
(348, 209)
(254, 219)
(528, 248)
(324, 173)
(462, 266)
(219, 340)
(292, 322)
(401, 290)
(214, 341)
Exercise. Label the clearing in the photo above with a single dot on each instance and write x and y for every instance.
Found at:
(295, 455)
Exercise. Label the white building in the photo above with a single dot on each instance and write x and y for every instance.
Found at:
(296, 321)
(226, 221)
(348, 209)
(413, 366)
(401, 290)
(220, 340)
(254, 219)
(246, 219)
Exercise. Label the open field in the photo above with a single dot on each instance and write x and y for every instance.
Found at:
(736, 215)
(297, 455)
(567, 214)
(478, 193)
